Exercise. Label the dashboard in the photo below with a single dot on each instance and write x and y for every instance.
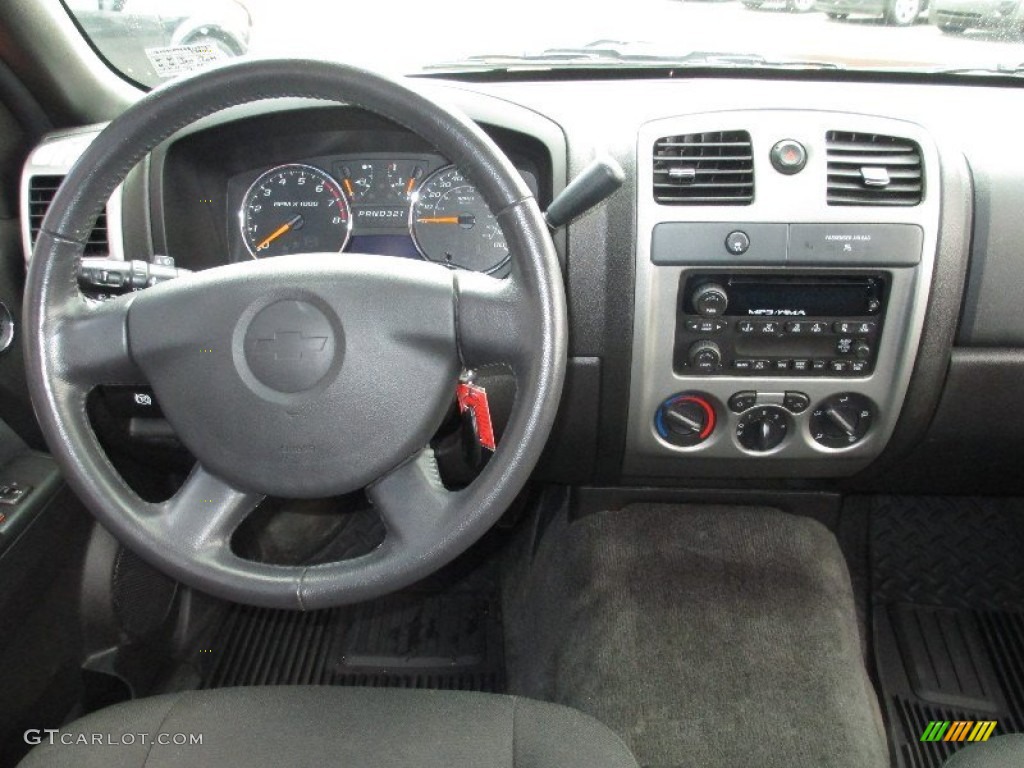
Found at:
(797, 283)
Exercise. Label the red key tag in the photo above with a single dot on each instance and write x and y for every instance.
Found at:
(474, 399)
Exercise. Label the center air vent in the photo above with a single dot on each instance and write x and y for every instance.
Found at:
(41, 190)
(714, 168)
(868, 169)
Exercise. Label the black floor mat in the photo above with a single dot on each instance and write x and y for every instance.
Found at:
(947, 578)
(428, 637)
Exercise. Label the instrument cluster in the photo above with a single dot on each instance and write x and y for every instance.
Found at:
(397, 204)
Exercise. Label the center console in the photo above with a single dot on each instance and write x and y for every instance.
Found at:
(783, 267)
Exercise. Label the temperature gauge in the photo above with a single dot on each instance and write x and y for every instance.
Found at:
(403, 178)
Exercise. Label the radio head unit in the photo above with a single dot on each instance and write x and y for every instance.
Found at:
(785, 324)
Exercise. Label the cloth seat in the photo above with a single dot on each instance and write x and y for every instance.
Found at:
(324, 727)
(999, 752)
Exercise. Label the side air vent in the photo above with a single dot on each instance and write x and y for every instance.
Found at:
(41, 190)
(868, 169)
(704, 169)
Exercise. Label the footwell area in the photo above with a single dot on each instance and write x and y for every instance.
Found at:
(432, 636)
(705, 636)
(947, 578)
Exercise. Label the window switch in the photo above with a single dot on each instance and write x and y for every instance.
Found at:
(12, 494)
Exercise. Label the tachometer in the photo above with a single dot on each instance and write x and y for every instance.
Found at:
(295, 209)
(452, 225)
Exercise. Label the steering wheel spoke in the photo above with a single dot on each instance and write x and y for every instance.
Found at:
(412, 500)
(92, 343)
(492, 326)
(205, 512)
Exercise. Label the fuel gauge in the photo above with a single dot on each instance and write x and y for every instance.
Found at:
(403, 178)
(357, 179)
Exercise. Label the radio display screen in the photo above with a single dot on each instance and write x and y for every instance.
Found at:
(806, 296)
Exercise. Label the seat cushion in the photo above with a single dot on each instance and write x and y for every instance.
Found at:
(321, 727)
(1000, 752)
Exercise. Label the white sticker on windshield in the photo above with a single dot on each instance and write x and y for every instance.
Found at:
(181, 59)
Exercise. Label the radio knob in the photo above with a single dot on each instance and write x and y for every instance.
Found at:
(705, 355)
(862, 350)
(710, 300)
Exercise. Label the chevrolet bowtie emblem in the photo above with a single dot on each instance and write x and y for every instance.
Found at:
(291, 345)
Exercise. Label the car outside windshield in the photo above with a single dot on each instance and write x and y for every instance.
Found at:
(150, 41)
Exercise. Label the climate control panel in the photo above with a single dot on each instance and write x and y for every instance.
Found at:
(761, 422)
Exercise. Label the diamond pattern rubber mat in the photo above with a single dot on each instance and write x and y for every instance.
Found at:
(947, 580)
(447, 639)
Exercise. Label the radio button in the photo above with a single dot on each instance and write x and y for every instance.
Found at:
(743, 365)
(844, 346)
(782, 365)
(797, 402)
(705, 326)
(838, 366)
(819, 365)
(746, 326)
(797, 327)
(760, 365)
(801, 365)
(817, 328)
(741, 401)
(858, 366)
(769, 326)
(849, 327)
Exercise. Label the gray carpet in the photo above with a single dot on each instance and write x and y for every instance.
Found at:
(707, 637)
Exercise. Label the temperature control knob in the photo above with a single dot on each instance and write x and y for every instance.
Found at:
(762, 429)
(705, 355)
(710, 300)
(685, 419)
(842, 420)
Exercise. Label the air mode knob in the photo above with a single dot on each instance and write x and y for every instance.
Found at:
(710, 300)
(842, 420)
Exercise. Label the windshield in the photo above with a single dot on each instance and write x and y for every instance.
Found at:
(150, 41)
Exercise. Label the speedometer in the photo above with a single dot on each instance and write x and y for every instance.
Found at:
(452, 225)
(295, 209)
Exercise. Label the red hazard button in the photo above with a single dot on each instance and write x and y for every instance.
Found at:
(789, 156)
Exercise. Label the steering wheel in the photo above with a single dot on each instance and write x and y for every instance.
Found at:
(381, 342)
